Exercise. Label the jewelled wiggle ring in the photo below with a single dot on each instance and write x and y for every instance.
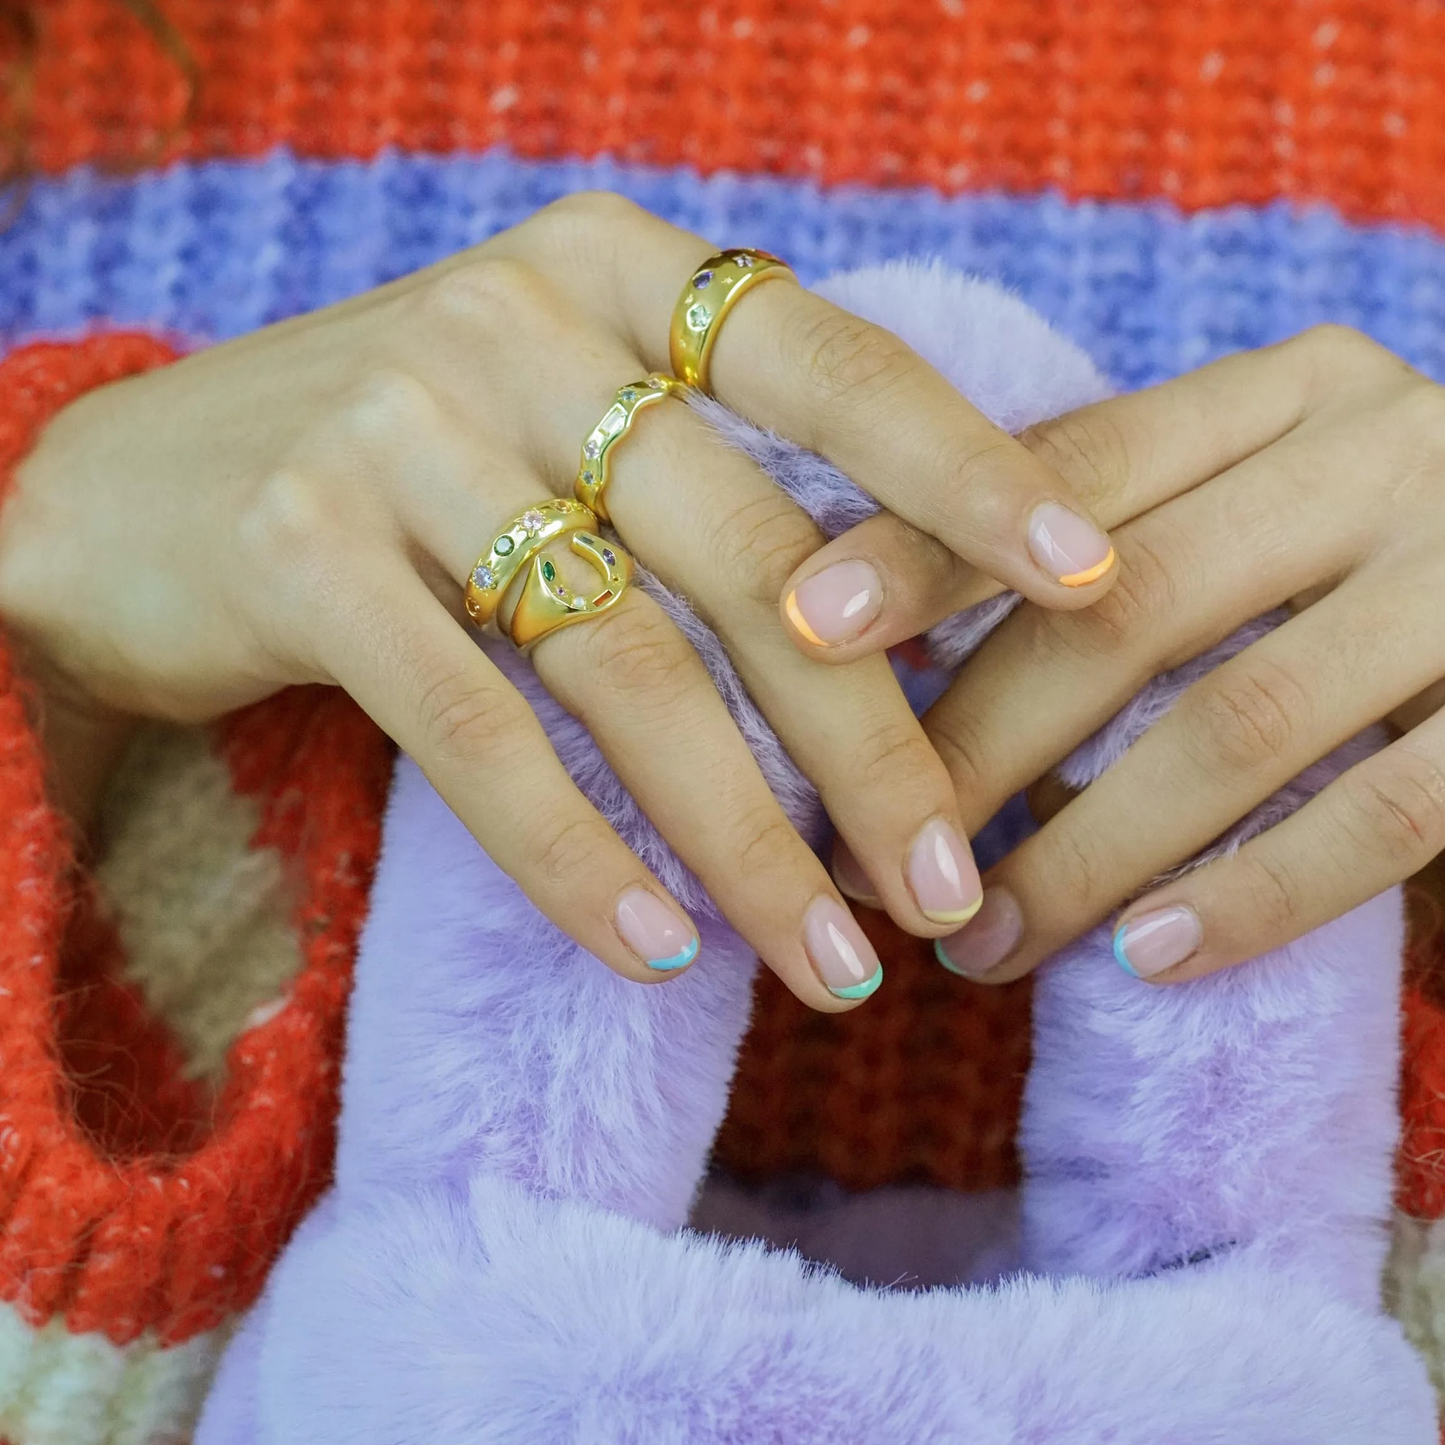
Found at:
(709, 295)
(518, 541)
(545, 605)
(593, 473)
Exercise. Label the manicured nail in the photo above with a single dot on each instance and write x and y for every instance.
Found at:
(1068, 548)
(1152, 942)
(943, 876)
(655, 932)
(840, 951)
(836, 604)
(852, 881)
(993, 934)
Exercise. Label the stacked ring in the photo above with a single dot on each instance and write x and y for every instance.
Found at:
(522, 537)
(545, 605)
(593, 473)
(712, 291)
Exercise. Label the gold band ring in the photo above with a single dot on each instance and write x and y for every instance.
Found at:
(545, 605)
(709, 295)
(593, 473)
(523, 536)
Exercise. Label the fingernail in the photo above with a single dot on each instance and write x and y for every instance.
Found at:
(943, 876)
(1071, 550)
(1152, 942)
(841, 954)
(655, 932)
(993, 934)
(836, 604)
(852, 881)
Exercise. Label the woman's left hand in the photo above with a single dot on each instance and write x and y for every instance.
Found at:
(1310, 474)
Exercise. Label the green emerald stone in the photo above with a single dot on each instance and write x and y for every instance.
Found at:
(549, 571)
(504, 546)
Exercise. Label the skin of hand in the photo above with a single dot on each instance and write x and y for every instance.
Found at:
(1309, 474)
(305, 503)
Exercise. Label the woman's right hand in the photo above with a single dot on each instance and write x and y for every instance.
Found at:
(304, 504)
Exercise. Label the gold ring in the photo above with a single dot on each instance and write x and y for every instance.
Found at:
(545, 605)
(593, 472)
(706, 299)
(524, 535)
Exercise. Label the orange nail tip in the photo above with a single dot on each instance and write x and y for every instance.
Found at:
(1089, 574)
(795, 616)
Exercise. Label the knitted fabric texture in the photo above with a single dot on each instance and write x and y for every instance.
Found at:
(141, 1207)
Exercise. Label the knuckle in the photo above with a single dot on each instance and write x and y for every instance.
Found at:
(1145, 590)
(766, 843)
(385, 405)
(1246, 719)
(762, 544)
(847, 359)
(1087, 448)
(1071, 873)
(638, 652)
(285, 522)
(587, 213)
(1272, 896)
(566, 848)
(463, 718)
(890, 754)
(1399, 806)
(1335, 354)
(956, 738)
(483, 293)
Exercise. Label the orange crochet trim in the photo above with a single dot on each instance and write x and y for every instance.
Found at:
(129, 1199)
(1205, 104)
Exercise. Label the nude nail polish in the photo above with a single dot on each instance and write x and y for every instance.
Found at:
(1153, 942)
(836, 604)
(943, 876)
(839, 950)
(654, 932)
(992, 934)
(1069, 548)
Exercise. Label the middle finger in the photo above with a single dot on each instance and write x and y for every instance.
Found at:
(714, 527)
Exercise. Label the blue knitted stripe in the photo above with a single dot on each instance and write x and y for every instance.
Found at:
(217, 249)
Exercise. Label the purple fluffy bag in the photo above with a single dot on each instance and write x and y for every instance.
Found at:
(506, 1257)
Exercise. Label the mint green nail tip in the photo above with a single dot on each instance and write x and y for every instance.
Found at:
(1120, 957)
(859, 990)
(945, 960)
(678, 960)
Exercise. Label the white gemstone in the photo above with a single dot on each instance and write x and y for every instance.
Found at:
(591, 448)
(613, 421)
(533, 521)
(698, 316)
(743, 261)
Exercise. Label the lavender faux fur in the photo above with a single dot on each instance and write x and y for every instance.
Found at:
(504, 1259)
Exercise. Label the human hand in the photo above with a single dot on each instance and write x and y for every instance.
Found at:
(304, 504)
(1310, 473)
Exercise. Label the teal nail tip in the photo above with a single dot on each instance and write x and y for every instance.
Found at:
(859, 990)
(1120, 957)
(945, 960)
(678, 960)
